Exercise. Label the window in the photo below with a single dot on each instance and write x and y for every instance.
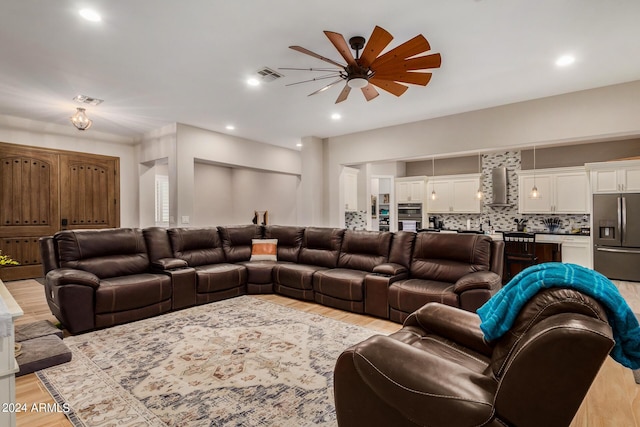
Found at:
(162, 200)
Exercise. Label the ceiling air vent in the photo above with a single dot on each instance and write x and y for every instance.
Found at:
(268, 75)
(84, 99)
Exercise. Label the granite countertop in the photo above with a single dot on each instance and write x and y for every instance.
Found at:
(499, 232)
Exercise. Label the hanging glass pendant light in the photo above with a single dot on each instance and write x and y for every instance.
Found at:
(80, 119)
(479, 193)
(534, 191)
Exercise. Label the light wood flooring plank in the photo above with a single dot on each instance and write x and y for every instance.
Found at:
(613, 399)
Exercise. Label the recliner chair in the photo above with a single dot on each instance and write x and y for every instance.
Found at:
(439, 371)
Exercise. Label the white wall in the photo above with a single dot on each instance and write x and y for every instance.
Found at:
(199, 145)
(590, 115)
(46, 135)
(265, 191)
(311, 189)
(214, 202)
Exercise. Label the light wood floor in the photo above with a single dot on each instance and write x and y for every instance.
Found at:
(612, 401)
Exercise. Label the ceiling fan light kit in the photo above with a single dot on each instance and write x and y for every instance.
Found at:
(390, 71)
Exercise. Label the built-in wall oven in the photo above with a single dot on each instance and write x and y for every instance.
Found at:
(409, 216)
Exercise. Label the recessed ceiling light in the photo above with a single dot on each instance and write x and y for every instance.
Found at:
(230, 127)
(336, 116)
(565, 60)
(90, 15)
(299, 144)
(253, 82)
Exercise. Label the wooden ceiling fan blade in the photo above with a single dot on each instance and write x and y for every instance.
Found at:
(410, 48)
(315, 55)
(343, 94)
(392, 87)
(322, 89)
(424, 62)
(413, 78)
(341, 44)
(379, 39)
(419, 63)
(369, 92)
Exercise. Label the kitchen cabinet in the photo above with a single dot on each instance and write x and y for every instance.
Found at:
(576, 249)
(561, 191)
(454, 194)
(615, 177)
(545, 252)
(411, 189)
(350, 189)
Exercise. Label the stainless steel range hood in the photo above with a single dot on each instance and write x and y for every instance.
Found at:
(499, 187)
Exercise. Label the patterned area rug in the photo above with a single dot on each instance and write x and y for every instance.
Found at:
(238, 362)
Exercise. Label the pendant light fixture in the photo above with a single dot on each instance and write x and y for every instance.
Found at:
(80, 119)
(479, 194)
(433, 175)
(534, 191)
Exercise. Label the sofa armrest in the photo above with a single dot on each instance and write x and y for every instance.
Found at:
(389, 268)
(478, 280)
(70, 276)
(457, 325)
(376, 288)
(424, 387)
(169, 263)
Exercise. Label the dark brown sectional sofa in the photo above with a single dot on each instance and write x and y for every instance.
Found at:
(100, 278)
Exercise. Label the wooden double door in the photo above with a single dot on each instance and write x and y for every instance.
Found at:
(43, 191)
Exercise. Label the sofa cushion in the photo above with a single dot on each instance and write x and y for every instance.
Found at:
(321, 246)
(106, 253)
(409, 295)
(237, 241)
(259, 272)
(289, 240)
(264, 250)
(340, 283)
(131, 292)
(218, 277)
(446, 257)
(363, 250)
(298, 276)
(197, 246)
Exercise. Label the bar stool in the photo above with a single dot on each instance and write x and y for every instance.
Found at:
(519, 249)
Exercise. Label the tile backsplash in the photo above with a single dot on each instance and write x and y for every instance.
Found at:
(503, 218)
(355, 220)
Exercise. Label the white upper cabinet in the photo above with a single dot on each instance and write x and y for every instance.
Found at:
(454, 194)
(350, 187)
(410, 189)
(615, 177)
(560, 191)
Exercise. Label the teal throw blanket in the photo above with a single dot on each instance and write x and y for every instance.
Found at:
(499, 313)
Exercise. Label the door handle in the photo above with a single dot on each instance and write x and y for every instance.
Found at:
(621, 251)
(624, 220)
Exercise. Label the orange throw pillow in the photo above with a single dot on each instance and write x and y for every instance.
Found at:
(264, 249)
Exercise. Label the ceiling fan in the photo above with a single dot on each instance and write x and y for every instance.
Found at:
(387, 71)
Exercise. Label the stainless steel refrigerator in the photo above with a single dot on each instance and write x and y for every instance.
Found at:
(616, 235)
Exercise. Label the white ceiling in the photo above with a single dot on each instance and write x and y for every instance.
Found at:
(159, 62)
